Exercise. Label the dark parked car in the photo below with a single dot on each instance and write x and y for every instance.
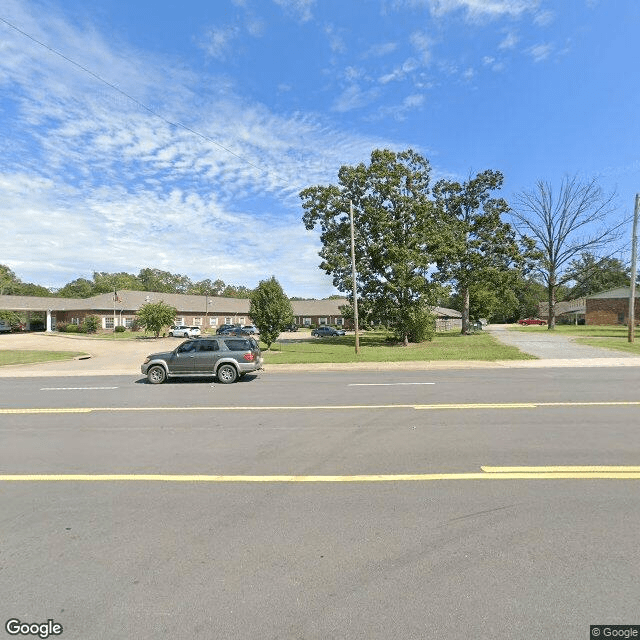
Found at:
(224, 327)
(234, 331)
(291, 327)
(226, 357)
(323, 331)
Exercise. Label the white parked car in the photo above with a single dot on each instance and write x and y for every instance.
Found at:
(183, 331)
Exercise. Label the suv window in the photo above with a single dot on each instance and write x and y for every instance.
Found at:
(185, 347)
(236, 344)
(208, 345)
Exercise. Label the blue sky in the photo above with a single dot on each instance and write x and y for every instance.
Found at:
(278, 94)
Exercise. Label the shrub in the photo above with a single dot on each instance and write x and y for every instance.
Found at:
(82, 328)
(62, 326)
(91, 324)
(71, 328)
(136, 326)
(120, 329)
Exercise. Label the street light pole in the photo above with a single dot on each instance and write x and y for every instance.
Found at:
(634, 266)
(353, 276)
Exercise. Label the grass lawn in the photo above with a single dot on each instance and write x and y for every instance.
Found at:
(605, 336)
(374, 347)
(16, 356)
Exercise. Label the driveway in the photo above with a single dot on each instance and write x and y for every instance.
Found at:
(549, 345)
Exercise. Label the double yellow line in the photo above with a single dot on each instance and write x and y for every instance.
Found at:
(488, 473)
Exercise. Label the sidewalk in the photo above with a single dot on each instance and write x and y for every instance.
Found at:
(123, 358)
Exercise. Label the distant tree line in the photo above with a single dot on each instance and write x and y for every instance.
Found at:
(103, 282)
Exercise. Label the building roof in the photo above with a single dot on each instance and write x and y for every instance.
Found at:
(578, 305)
(619, 292)
(128, 300)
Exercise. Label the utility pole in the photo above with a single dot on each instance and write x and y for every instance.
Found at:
(634, 259)
(353, 276)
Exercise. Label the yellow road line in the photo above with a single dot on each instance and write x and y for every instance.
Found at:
(420, 477)
(563, 469)
(333, 407)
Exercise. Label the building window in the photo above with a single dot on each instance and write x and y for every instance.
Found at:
(339, 322)
(128, 322)
(307, 322)
(322, 321)
(180, 320)
(227, 320)
(197, 322)
(241, 320)
(621, 318)
(108, 322)
(213, 322)
(75, 320)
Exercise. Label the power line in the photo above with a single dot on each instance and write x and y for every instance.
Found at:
(178, 125)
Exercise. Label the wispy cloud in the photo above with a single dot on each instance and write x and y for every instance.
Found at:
(107, 185)
(422, 43)
(473, 9)
(509, 41)
(217, 42)
(301, 9)
(540, 52)
(380, 50)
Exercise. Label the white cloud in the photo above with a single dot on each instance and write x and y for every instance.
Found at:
(353, 97)
(399, 73)
(422, 44)
(302, 9)
(102, 184)
(509, 41)
(380, 50)
(540, 52)
(218, 41)
(336, 41)
(543, 18)
(474, 9)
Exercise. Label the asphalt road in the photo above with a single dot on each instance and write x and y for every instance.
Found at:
(411, 556)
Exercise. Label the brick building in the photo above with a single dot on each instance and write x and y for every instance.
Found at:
(611, 307)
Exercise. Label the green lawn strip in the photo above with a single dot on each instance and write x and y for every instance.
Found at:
(617, 344)
(21, 356)
(374, 347)
(582, 330)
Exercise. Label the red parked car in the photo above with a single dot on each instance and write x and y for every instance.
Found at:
(532, 321)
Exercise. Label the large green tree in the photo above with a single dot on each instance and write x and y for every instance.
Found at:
(483, 253)
(591, 275)
(270, 310)
(153, 316)
(11, 285)
(397, 236)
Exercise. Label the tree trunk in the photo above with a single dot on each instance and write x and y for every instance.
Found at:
(551, 318)
(465, 311)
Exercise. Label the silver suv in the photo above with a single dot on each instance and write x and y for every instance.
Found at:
(226, 357)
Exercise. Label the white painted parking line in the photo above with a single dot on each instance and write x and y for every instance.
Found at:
(386, 384)
(74, 388)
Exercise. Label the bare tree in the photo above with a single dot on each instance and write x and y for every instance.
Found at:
(564, 224)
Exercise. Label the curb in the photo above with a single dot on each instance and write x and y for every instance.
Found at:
(25, 371)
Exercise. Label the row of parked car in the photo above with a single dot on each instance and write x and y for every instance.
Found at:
(185, 331)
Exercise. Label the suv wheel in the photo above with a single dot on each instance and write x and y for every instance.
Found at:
(156, 375)
(227, 374)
